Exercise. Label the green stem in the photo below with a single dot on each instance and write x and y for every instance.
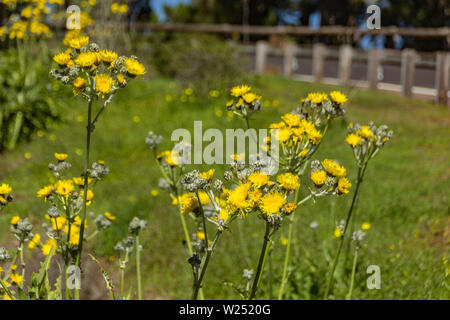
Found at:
(261, 262)
(210, 251)
(23, 264)
(122, 275)
(85, 187)
(138, 268)
(288, 250)
(352, 282)
(341, 240)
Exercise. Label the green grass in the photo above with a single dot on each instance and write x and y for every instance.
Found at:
(404, 195)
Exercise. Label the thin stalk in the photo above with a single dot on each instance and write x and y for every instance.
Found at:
(23, 264)
(352, 282)
(138, 268)
(261, 262)
(198, 283)
(123, 265)
(86, 186)
(341, 240)
(288, 250)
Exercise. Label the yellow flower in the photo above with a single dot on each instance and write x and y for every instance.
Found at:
(337, 232)
(288, 181)
(79, 42)
(258, 179)
(64, 187)
(237, 157)
(108, 56)
(62, 58)
(365, 226)
(237, 199)
(338, 97)
(48, 246)
(134, 67)
(208, 174)
(80, 181)
(344, 185)
(272, 203)
(250, 97)
(6, 297)
(284, 241)
(353, 139)
(289, 208)
(292, 120)
(61, 156)
(201, 235)
(16, 278)
(89, 196)
(34, 242)
(58, 223)
(120, 78)
(15, 220)
(45, 191)
(14, 267)
(319, 177)
(239, 91)
(364, 132)
(188, 202)
(86, 59)
(154, 192)
(314, 135)
(333, 168)
(5, 189)
(223, 214)
(123, 8)
(2, 200)
(103, 83)
(109, 216)
(79, 84)
(115, 7)
(317, 97)
(284, 134)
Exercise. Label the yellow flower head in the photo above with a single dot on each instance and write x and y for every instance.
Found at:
(188, 202)
(79, 181)
(353, 139)
(208, 174)
(58, 222)
(364, 132)
(250, 97)
(365, 226)
(292, 120)
(338, 97)
(258, 179)
(79, 42)
(333, 168)
(344, 185)
(201, 235)
(5, 189)
(237, 199)
(16, 278)
(48, 246)
(316, 97)
(108, 56)
(337, 232)
(64, 187)
(79, 84)
(319, 177)
(109, 216)
(62, 58)
(86, 59)
(61, 156)
(271, 203)
(288, 181)
(103, 83)
(239, 91)
(15, 220)
(289, 208)
(134, 67)
(34, 242)
(45, 191)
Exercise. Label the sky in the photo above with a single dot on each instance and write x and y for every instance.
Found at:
(157, 6)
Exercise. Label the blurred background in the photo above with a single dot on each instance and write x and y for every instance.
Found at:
(195, 51)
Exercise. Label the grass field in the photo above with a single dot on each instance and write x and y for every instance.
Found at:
(404, 195)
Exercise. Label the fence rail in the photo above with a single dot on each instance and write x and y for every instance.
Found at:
(407, 59)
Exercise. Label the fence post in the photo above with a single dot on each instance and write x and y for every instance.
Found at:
(407, 71)
(318, 61)
(372, 68)
(345, 64)
(442, 74)
(261, 56)
(288, 58)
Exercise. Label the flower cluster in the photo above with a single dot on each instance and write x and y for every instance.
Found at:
(93, 72)
(367, 140)
(65, 197)
(321, 107)
(244, 102)
(119, 8)
(5, 195)
(329, 177)
(28, 18)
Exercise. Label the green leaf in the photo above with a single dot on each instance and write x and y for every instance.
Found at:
(109, 283)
